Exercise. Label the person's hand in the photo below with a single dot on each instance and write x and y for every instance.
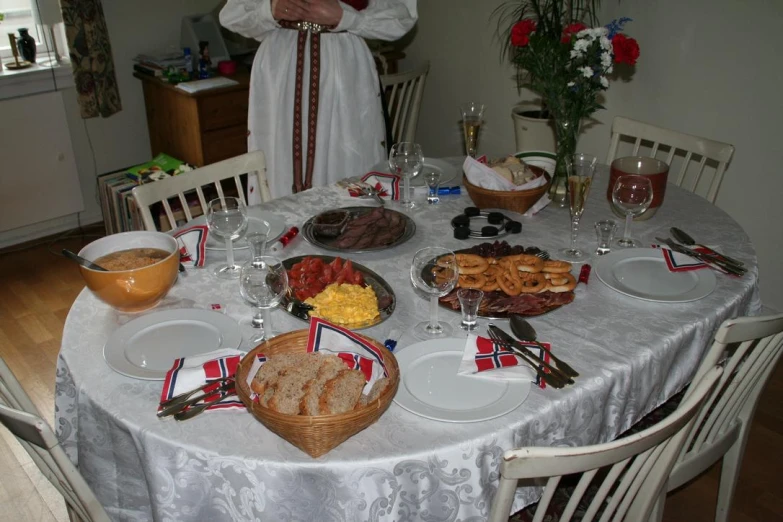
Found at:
(323, 12)
(292, 10)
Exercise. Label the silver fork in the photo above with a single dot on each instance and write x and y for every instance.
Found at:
(552, 379)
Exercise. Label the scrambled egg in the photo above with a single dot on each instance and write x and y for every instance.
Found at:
(345, 304)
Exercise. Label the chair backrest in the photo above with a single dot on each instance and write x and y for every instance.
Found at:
(688, 156)
(403, 93)
(629, 473)
(21, 417)
(748, 348)
(177, 188)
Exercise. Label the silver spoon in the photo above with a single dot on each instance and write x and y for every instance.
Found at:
(684, 238)
(84, 262)
(525, 332)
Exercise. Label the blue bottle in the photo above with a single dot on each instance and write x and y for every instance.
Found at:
(188, 63)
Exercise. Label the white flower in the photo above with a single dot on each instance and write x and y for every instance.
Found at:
(570, 84)
(587, 72)
(604, 82)
(606, 60)
(610, 69)
(581, 45)
(606, 44)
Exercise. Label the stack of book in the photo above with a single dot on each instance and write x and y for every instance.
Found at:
(120, 212)
(157, 65)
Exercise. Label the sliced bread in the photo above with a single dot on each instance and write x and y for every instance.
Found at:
(375, 392)
(291, 384)
(342, 393)
(265, 379)
(331, 368)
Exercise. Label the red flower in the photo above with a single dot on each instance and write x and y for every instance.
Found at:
(572, 29)
(626, 50)
(520, 33)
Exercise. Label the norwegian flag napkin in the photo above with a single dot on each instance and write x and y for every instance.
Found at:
(677, 262)
(189, 373)
(355, 352)
(388, 185)
(192, 242)
(482, 355)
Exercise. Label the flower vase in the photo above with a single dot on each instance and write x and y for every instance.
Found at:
(566, 133)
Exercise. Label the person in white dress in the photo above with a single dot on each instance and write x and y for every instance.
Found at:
(350, 131)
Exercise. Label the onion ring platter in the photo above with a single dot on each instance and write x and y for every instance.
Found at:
(541, 302)
(387, 301)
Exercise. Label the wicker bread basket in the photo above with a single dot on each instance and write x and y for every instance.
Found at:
(315, 435)
(517, 201)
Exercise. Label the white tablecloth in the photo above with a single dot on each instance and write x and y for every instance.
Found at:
(224, 465)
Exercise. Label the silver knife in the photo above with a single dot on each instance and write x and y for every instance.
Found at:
(711, 262)
(683, 237)
(508, 339)
(175, 407)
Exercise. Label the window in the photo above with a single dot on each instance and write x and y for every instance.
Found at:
(18, 14)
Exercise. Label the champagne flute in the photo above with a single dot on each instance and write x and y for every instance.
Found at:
(633, 194)
(472, 118)
(581, 168)
(406, 160)
(434, 271)
(262, 283)
(227, 217)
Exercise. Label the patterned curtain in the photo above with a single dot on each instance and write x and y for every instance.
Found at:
(91, 58)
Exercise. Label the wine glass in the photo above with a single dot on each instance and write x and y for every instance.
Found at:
(227, 218)
(632, 194)
(407, 160)
(262, 283)
(581, 168)
(472, 118)
(434, 271)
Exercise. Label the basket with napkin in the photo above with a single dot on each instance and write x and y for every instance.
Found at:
(496, 186)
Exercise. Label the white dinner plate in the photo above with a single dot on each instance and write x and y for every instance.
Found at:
(447, 171)
(254, 217)
(642, 273)
(539, 158)
(431, 388)
(145, 347)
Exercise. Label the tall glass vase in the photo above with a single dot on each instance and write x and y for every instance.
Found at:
(566, 132)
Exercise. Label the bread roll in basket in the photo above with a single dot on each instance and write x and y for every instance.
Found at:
(315, 435)
(514, 200)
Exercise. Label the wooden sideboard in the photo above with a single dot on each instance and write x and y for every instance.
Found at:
(211, 125)
(199, 128)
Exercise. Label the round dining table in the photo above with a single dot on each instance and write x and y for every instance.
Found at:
(632, 355)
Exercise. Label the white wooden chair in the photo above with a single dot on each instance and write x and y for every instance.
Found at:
(679, 150)
(176, 188)
(630, 472)
(404, 92)
(748, 348)
(21, 417)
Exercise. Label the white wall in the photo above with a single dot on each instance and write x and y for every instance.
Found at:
(707, 67)
(122, 140)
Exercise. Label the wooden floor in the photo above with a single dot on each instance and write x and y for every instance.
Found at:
(38, 287)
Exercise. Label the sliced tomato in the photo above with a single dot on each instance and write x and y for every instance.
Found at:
(358, 279)
(340, 279)
(337, 264)
(316, 265)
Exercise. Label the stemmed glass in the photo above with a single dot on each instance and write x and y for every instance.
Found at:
(581, 168)
(407, 160)
(263, 283)
(434, 271)
(633, 194)
(472, 118)
(227, 218)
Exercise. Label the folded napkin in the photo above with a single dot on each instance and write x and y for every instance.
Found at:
(189, 373)
(192, 242)
(483, 355)
(387, 185)
(677, 262)
(356, 353)
(481, 175)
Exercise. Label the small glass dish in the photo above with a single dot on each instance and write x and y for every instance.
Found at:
(331, 223)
